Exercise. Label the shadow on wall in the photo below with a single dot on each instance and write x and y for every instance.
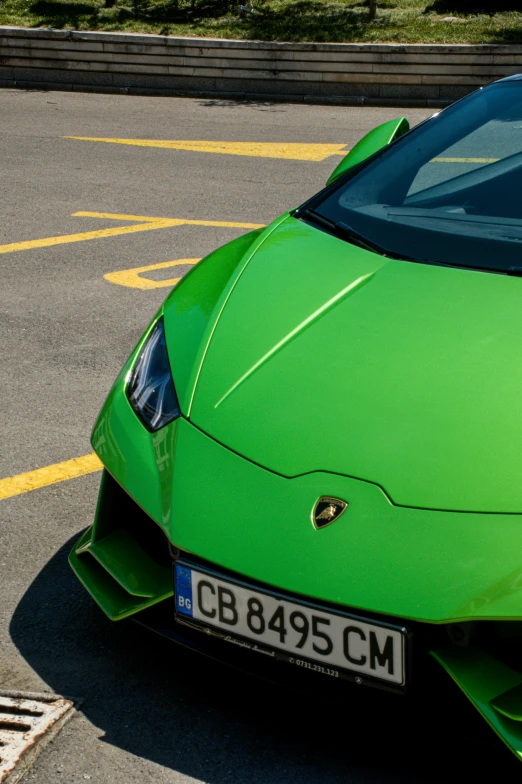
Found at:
(158, 701)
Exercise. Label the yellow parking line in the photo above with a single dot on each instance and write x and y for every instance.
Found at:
(177, 221)
(64, 239)
(132, 278)
(143, 223)
(50, 475)
(293, 151)
(119, 216)
(289, 150)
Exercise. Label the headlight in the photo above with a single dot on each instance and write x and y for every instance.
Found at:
(150, 389)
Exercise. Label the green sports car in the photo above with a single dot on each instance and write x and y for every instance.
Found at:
(313, 457)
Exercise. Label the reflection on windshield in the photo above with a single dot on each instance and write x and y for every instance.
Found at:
(449, 191)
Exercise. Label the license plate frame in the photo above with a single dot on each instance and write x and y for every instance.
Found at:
(269, 650)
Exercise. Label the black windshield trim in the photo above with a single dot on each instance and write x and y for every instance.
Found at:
(311, 211)
(344, 232)
(318, 198)
(346, 237)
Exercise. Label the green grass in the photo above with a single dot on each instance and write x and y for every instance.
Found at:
(397, 21)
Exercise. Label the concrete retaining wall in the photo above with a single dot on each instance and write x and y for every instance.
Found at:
(345, 73)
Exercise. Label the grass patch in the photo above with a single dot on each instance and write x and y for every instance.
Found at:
(397, 21)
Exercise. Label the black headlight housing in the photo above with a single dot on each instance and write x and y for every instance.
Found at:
(150, 388)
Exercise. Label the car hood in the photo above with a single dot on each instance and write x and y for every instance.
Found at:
(327, 357)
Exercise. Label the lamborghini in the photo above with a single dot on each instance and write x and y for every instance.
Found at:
(313, 457)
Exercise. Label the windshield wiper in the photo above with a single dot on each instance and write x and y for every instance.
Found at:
(345, 232)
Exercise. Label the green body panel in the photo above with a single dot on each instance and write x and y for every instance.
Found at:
(509, 703)
(140, 461)
(192, 309)
(419, 564)
(132, 568)
(484, 680)
(331, 358)
(136, 458)
(114, 600)
(333, 371)
(371, 143)
(360, 393)
(114, 567)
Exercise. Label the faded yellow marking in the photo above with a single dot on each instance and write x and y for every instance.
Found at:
(50, 475)
(133, 279)
(119, 216)
(144, 223)
(64, 239)
(289, 150)
(465, 160)
(174, 221)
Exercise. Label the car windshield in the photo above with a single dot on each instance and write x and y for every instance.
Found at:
(450, 192)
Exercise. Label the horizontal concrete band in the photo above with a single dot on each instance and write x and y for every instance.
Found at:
(115, 60)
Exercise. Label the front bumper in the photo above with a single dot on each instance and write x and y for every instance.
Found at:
(419, 564)
(125, 562)
(432, 569)
(493, 687)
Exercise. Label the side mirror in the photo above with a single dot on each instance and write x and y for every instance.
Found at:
(373, 142)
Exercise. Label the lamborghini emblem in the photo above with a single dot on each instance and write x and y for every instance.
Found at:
(327, 510)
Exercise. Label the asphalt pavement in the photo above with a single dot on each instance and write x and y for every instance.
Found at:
(149, 711)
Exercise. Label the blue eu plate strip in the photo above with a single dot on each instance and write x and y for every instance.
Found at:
(184, 591)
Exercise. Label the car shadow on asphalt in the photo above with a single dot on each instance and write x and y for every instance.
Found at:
(161, 702)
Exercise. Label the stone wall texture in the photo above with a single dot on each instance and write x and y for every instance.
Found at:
(417, 74)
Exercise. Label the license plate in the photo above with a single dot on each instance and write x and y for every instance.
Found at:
(308, 636)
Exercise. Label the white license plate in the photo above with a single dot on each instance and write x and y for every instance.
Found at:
(306, 634)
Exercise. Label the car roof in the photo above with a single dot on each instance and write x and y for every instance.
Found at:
(511, 78)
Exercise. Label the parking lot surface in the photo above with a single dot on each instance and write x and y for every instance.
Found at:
(106, 202)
